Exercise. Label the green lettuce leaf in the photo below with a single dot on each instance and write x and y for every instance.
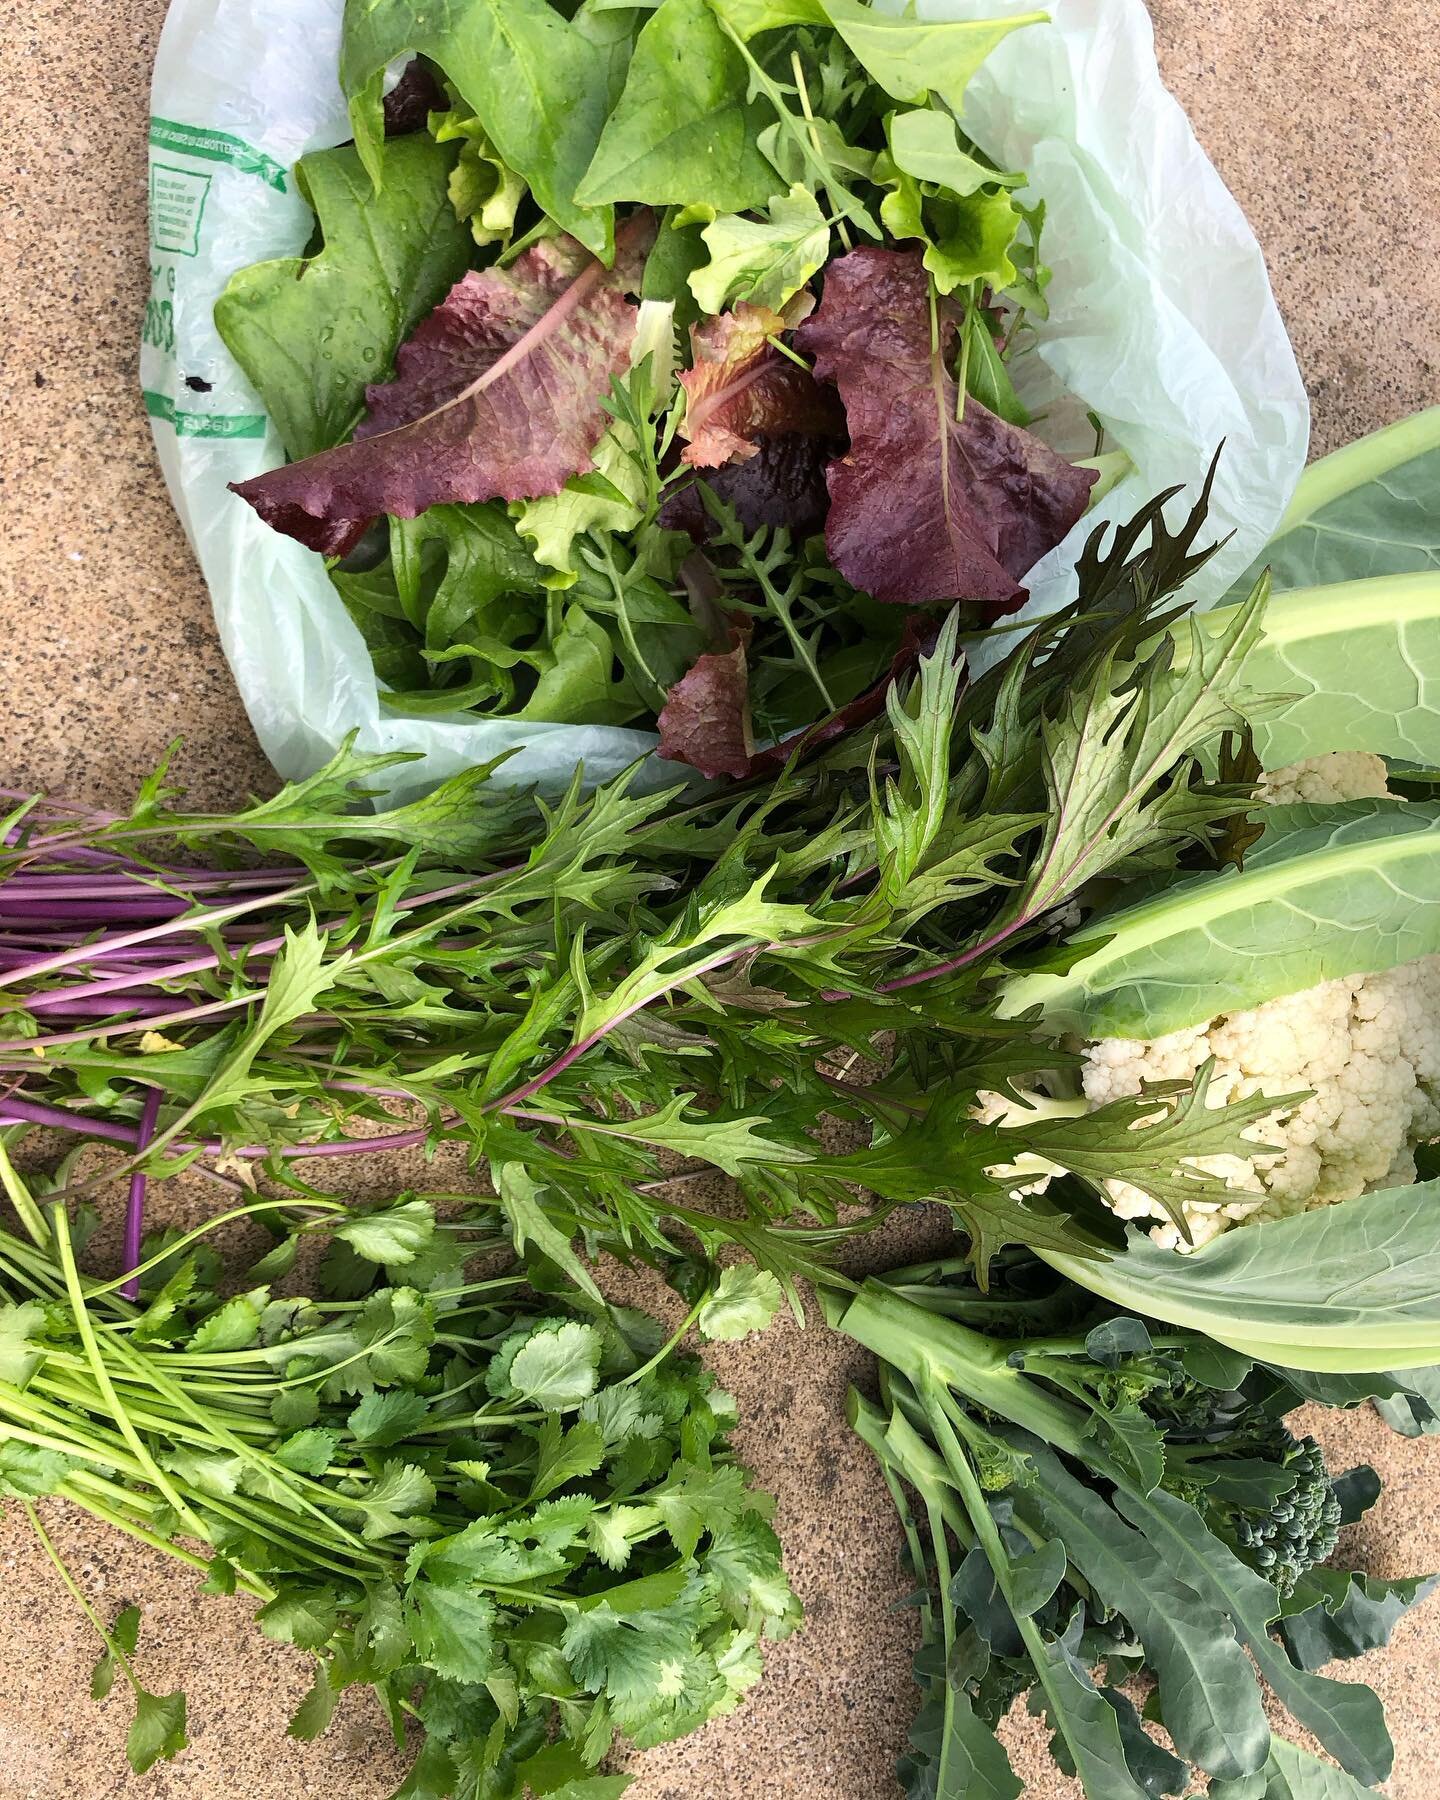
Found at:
(312, 333)
(540, 85)
(684, 131)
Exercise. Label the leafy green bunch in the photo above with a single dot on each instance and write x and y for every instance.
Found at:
(584, 991)
(513, 1514)
(640, 202)
(1092, 1497)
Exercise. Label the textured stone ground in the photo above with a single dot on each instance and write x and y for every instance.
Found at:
(1324, 116)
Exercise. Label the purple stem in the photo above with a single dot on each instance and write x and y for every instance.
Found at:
(215, 915)
(135, 1205)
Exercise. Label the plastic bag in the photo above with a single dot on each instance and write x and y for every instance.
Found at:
(1161, 322)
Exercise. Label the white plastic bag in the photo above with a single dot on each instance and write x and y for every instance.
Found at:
(1161, 322)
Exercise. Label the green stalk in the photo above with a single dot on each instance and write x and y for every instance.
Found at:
(933, 1352)
(20, 1197)
(78, 1596)
(153, 1472)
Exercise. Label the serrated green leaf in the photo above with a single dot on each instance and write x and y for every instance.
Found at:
(746, 1299)
(453, 1630)
(19, 1357)
(233, 1326)
(124, 1636)
(394, 1234)
(521, 1200)
(300, 1615)
(157, 1732)
(316, 1710)
(557, 1370)
(388, 1418)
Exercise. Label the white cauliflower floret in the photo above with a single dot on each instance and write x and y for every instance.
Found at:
(1339, 775)
(1367, 1046)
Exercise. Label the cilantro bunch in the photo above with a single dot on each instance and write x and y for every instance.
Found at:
(514, 1514)
(1082, 1505)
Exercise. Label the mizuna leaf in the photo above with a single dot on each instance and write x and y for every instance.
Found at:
(498, 394)
(311, 333)
(1327, 891)
(740, 389)
(923, 507)
(540, 85)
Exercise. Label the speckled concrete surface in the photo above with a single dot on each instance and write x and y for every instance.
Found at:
(1324, 115)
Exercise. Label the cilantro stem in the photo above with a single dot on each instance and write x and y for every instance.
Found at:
(85, 1327)
(17, 1192)
(212, 1224)
(669, 1344)
(71, 1491)
(75, 1593)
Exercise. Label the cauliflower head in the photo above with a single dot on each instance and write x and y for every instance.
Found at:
(1367, 1046)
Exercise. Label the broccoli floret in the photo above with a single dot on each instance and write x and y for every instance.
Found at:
(1280, 1540)
(1299, 1530)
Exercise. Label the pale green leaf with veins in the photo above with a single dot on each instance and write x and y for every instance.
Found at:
(764, 261)
(912, 58)
(1359, 662)
(926, 144)
(1369, 509)
(1327, 891)
(19, 1357)
(558, 1369)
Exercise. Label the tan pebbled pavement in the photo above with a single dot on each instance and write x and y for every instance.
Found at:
(1324, 116)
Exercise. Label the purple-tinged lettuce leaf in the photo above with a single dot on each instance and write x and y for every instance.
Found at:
(759, 425)
(783, 483)
(497, 395)
(925, 508)
(740, 388)
(705, 720)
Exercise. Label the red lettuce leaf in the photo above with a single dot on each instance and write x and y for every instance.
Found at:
(705, 720)
(922, 508)
(497, 395)
(409, 104)
(740, 389)
(761, 427)
(783, 483)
